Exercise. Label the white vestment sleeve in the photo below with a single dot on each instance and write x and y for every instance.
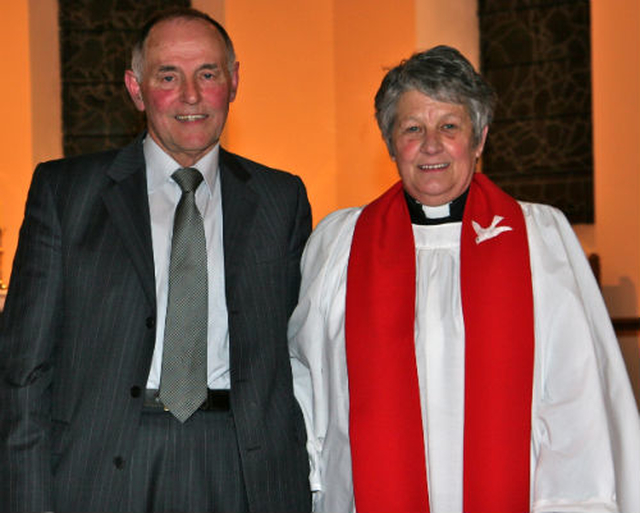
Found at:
(316, 346)
(585, 424)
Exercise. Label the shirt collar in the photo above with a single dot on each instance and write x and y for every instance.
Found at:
(449, 213)
(160, 165)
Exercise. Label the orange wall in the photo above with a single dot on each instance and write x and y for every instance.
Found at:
(15, 129)
(284, 114)
(435, 21)
(46, 115)
(616, 113)
(308, 77)
(307, 80)
(370, 37)
(308, 74)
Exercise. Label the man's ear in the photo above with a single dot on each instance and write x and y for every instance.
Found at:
(133, 87)
(235, 79)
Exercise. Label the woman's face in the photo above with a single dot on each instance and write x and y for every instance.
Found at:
(434, 148)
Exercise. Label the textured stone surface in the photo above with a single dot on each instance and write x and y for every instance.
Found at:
(537, 56)
(95, 49)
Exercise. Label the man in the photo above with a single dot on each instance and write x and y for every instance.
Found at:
(93, 415)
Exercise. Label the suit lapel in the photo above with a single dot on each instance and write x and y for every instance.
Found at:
(239, 205)
(128, 205)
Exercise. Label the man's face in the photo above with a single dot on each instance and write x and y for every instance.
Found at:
(186, 87)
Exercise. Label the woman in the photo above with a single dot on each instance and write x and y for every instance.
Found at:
(451, 350)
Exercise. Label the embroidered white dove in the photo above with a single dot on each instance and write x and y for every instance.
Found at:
(491, 231)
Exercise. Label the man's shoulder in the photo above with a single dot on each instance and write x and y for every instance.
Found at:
(85, 162)
(246, 168)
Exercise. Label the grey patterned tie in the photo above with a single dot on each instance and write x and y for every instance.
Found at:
(183, 386)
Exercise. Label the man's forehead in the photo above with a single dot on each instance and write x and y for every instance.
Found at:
(178, 45)
(183, 28)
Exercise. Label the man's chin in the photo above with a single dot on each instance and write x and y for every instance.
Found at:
(194, 147)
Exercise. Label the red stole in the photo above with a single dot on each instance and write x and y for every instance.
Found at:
(385, 421)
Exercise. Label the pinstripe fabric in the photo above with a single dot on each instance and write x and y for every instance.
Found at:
(165, 473)
(77, 333)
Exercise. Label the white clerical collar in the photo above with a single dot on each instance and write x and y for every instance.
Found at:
(437, 212)
(160, 165)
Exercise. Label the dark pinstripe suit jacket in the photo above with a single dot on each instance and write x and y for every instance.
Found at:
(77, 333)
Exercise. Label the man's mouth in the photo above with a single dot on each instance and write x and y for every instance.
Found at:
(190, 117)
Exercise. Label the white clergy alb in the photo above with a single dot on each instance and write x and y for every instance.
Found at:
(585, 439)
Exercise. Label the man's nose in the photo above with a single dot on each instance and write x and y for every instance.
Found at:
(190, 91)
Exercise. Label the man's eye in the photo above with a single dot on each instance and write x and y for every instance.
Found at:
(412, 129)
(449, 126)
(167, 78)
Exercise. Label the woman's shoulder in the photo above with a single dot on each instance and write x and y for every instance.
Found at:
(329, 245)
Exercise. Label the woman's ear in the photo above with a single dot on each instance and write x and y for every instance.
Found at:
(483, 139)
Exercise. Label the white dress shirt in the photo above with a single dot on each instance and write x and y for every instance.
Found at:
(164, 195)
(585, 438)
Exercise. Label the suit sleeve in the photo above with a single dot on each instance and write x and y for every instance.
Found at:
(28, 333)
(299, 234)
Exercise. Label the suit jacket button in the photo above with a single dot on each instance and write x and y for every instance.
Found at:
(151, 322)
(135, 391)
(118, 461)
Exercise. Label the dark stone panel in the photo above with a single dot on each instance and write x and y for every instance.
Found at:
(571, 195)
(536, 54)
(96, 56)
(506, 38)
(95, 48)
(551, 32)
(551, 88)
(100, 109)
(489, 6)
(486, 7)
(110, 14)
(88, 144)
(548, 147)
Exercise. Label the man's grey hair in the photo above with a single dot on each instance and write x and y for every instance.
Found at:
(186, 13)
(443, 74)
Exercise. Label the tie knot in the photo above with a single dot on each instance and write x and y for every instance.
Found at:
(187, 178)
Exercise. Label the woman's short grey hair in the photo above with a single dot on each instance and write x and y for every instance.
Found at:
(187, 13)
(442, 73)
